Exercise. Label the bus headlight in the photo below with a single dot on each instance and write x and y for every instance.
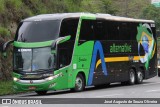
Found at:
(53, 77)
(15, 79)
(50, 78)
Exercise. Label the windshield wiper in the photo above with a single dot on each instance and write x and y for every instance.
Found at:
(43, 70)
(39, 71)
(18, 69)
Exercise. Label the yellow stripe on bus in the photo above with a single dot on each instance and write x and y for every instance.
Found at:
(117, 59)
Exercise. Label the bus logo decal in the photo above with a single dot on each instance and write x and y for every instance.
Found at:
(31, 81)
(146, 39)
(97, 48)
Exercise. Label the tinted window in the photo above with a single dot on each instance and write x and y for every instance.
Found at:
(69, 27)
(133, 30)
(99, 30)
(37, 31)
(124, 31)
(87, 30)
(112, 30)
(65, 50)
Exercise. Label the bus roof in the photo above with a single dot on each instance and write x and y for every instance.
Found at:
(61, 16)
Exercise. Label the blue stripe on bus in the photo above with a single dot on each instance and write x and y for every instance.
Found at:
(97, 48)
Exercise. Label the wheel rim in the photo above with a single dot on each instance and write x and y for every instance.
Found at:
(79, 83)
(140, 76)
(132, 77)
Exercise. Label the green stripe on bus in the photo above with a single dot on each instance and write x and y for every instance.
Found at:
(32, 45)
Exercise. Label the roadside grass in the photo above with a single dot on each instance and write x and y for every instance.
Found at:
(6, 88)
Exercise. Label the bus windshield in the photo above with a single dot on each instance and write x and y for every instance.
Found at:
(33, 59)
(37, 31)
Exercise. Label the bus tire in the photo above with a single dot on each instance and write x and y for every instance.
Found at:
(139, 77)
(79, 83)
(132, 77)
(41, 92)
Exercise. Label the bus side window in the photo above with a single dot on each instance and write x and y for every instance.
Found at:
(63, 60)
(69, 27)
(112, 30)
(65, 50)
(99, 30)
(87, 31)
(133, 30)
(124, 31)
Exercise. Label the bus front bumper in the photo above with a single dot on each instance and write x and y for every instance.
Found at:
(33, 85)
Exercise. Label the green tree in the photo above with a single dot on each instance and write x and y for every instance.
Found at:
(98, 6)
(12, 11)
(151, 12)
(130, 8)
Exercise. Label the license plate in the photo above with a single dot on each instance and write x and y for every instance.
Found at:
(31, 88)
(32, 76)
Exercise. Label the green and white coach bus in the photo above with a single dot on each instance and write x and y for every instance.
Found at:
(74, 50)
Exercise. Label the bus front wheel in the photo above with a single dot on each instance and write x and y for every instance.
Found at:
(41, 92)
(79, 83)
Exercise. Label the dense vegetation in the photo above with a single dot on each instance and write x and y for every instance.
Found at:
(12, 11)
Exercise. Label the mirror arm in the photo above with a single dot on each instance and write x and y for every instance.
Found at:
(54, 49)
(54, 46)
(5, 46)
(56, 42)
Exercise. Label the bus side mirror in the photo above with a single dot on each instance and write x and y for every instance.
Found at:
(5, 46)
(58, 41)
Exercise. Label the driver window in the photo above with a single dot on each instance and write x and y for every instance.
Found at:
(65, 50)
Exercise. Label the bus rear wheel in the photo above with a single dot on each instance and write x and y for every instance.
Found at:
(79, 83)
(132, 77)
(41, 92)
(139, 77)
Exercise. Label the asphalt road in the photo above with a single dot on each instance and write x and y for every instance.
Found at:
(148, 89)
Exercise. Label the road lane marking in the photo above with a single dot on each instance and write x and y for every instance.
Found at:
(148, 91)
(109, 95)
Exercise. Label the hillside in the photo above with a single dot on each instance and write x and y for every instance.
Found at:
(13, 11)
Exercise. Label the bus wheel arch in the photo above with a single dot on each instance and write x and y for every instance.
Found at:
(80, 82)
(84, 76)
